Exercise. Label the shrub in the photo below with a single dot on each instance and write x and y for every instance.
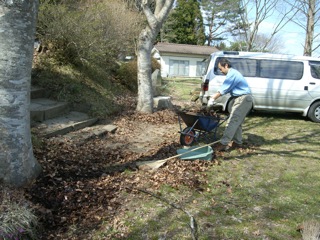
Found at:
(87, 31)
(16, 220)
(127, 73)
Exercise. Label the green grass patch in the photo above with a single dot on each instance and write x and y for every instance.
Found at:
(264, 193)
(181, 88)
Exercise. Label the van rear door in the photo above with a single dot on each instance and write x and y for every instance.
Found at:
(313, 85)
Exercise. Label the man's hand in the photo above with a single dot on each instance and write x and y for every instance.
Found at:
(211, 102)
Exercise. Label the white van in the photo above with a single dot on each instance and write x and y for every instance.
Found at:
(278, 82)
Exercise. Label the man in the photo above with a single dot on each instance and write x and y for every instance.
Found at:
(237, 86)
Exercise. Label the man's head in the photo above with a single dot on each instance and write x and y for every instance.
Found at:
(224, 65)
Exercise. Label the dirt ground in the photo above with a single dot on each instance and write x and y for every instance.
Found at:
(86, 187)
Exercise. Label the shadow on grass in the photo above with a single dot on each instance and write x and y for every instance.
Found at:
(283, 134)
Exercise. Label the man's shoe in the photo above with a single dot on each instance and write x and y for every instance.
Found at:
(236, 145)
(221, 148)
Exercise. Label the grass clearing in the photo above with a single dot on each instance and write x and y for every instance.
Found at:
(180, 88)
(266, 193)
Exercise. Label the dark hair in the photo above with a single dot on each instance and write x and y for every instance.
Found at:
(224, 61)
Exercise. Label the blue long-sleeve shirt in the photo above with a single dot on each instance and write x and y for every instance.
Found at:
(235, 84)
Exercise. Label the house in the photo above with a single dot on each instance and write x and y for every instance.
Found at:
(182, 60)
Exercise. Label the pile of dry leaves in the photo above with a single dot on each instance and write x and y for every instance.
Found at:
(83, 185)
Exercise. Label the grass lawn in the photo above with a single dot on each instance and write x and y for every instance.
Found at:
(264, 193)
(269, 192)
(180, 88)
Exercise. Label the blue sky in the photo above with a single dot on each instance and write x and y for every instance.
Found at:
(292, 36)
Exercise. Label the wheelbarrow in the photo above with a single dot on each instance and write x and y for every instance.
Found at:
(199, 126)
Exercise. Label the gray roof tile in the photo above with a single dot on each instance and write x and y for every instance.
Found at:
(185, 48)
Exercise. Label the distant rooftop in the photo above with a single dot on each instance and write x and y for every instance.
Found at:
(185, 48)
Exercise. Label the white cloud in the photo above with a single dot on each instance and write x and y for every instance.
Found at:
(293, 42)
(266, 27)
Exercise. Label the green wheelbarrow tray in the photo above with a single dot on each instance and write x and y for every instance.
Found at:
(205, 152)
(202, 153)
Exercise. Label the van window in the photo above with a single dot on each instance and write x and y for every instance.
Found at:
(315, 69)
(247, 67)
(201, 67)
(281, 69)
(207, 64)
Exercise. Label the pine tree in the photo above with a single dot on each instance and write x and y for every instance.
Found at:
(184, 24)
(222, 18)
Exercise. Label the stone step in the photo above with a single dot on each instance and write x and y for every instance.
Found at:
(42, 109)
(64, 124)
(85, 134)
(37, 92)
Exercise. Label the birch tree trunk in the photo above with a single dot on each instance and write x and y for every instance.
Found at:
(145, 93)
(144, 47)
(308, 20)
(18, 165)
(307, 51)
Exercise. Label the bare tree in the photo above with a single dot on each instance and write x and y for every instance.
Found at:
(263, 10)
(264, 43)
(308, 19)
(156, 12)
(17, 26)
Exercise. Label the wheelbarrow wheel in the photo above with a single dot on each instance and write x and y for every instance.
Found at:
(187, 137)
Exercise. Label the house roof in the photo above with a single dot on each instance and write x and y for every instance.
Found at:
(185, 48)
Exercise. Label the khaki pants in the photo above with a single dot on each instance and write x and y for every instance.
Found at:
(233, 132)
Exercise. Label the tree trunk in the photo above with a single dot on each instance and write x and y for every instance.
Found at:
(310, 28)
(18, 165)
(145, 44)
(145, 93)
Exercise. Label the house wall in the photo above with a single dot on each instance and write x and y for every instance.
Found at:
(165, 61)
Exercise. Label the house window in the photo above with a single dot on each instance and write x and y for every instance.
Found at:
(201, 68)
(178, 68)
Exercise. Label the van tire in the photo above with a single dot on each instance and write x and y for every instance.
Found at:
(314, 112)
